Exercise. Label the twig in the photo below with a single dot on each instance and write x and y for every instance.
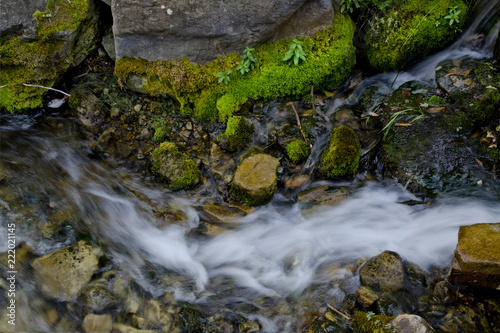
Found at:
(298, 120)
(338, 312)
(33, 85)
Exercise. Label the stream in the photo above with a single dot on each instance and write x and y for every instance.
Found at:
(274, 266)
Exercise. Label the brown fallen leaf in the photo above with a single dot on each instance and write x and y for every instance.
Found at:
(479, 162)
(453, 74)
(436, 109)
(402, 124)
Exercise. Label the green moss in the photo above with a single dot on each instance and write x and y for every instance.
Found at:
(228, 104)
(418, 28)
(476, 112)
(237, 133)
(33, 62)
(370, 323)
(176, 167)
(341, 157)
(297, 151)
(330, 59)
(161, 129)
(60, 15)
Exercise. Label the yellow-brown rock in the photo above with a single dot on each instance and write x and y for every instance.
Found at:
(255, 179)
(476, 262)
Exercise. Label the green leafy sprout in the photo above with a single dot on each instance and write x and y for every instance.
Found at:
(295, 52)
(224, 77)
(453, 15)
(248, 61)
(348, 5)
(405, 115)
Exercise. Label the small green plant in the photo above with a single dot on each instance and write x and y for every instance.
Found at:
(248, 61)
(369, 315)
(349, 5)
(295, 52)
(408, 115)
(453, 15)
(435, 100)
(224, 77)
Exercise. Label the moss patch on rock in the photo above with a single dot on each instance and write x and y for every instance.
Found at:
(176, 167)
(43, 60)
(297, 151)
(416, 29)
(330, 58)
(367, 322)
(237, 133)
(341, 157)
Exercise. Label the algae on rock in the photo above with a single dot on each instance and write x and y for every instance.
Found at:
(297, 151)
(341, 157)
(237, 133)
(176, 167)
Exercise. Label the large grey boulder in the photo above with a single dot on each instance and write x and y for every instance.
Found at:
(203, 30)
(16, 16)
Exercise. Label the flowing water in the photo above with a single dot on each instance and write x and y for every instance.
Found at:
(274, 266)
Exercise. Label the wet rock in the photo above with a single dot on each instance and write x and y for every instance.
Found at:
(225, 171)
(444, 292)
(313, 200)
(407, 323)
(476, 262)
(223, 214)
(108, 43)
(384, 271)
(63, 273)
(156, 315)
(174, 166)
(88, 108)
(97, 297)
(296, 181)
(94, 323)
(255, 179)
(249, 326)
(153, 31)
(210, 229)
(365, 296)
(455, 76)
(122, 328)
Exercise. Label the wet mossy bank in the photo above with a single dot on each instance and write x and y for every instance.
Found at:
(329, 60)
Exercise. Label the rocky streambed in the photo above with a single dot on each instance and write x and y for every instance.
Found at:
(373, 207)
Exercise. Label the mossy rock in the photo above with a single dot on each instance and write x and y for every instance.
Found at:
(341, 157)
(176, 167)
(255, 180)
(237, 133)
(330, 59)
(42, 61)
(477, 258)
(417, 29)
(384, 272)
(298, 151)
(367, 322)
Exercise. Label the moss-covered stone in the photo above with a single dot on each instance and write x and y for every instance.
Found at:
(237, 133)
(175, 167)
(330, 58)
(384, 272)
(416, 29)
(255, 180)
(477, 258)
(341, 157)
(42, 61)
(297, 151)
(367, 322)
